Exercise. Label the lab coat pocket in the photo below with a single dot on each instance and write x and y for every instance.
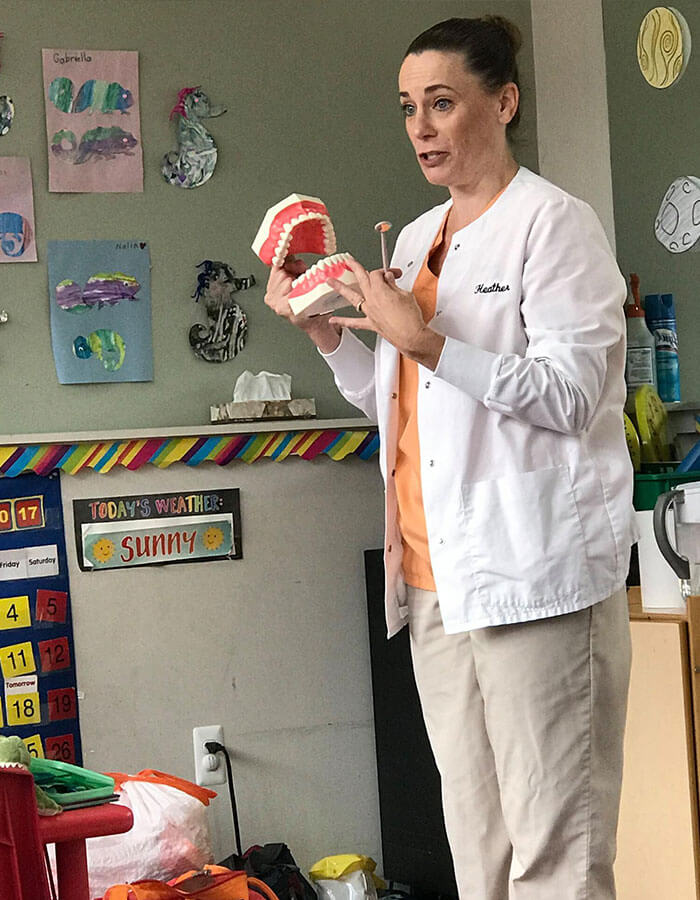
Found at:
(525, 538)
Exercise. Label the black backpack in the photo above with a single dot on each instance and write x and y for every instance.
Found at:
(275, 865)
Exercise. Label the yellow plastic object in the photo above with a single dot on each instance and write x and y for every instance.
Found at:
(651, 424)
(633, 444)
(342, 864)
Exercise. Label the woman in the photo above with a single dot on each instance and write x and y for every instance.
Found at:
(497, 383)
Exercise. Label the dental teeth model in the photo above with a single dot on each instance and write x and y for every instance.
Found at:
(301, 224)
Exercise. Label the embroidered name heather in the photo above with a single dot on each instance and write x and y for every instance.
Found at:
(484, 289)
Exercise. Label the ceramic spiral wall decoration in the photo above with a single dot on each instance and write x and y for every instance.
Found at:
(663, 46)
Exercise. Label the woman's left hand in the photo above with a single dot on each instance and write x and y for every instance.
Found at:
(390, 312)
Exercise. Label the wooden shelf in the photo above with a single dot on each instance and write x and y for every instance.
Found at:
(220, 429)
(639, 614)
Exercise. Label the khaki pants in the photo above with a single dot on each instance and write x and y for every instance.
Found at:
(526, 723)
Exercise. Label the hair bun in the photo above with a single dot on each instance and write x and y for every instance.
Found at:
(510, 28)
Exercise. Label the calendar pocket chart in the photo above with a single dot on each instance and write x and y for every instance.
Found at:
(38, 697)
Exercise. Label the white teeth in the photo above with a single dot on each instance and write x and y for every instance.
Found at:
(319, 265)
(282, 248)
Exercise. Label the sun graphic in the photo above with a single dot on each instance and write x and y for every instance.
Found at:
(213, 538)
(103, 550)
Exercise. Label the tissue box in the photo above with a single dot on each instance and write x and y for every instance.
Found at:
(255, 410)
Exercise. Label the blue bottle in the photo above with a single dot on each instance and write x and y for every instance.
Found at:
(660, 316)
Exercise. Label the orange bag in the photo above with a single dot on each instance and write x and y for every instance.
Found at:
(155, 777)
(210, 883)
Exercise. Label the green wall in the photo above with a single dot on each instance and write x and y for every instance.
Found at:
(311, 94)
(654, 139)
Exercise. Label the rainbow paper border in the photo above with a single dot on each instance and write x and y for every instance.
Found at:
(103, 456)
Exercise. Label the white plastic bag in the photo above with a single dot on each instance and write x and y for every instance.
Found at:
(357, 885)
(170, 835)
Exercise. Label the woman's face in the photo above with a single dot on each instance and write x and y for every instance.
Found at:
(455, 126)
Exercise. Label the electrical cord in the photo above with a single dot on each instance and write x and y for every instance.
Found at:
(216, 747)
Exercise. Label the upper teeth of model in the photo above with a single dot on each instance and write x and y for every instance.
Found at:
(285, 238)
(321, 264)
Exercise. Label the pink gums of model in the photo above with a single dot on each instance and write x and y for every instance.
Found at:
(301, 224)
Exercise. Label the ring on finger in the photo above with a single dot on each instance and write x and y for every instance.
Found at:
(359, 305)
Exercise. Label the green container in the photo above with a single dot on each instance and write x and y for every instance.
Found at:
(657, 479)
(67, 784)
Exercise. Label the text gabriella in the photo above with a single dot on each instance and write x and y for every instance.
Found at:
(150, 545)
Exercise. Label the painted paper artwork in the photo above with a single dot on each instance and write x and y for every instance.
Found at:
(7, 107)
(226, 330)
(92, 120)
(17, 242)
(193, 163)
(100, 303)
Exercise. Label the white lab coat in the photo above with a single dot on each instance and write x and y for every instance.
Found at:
(526, 477)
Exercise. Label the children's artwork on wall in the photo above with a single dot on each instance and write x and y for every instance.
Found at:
(100, 303)
(663, 46)
(92, 120)
(37, 657)
(193, 163)
(153, 529)
(226, 330)
(677, 224)
(7, 107)
(7, 114)
(17, 242)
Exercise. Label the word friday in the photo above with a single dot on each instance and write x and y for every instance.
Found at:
(145, 507)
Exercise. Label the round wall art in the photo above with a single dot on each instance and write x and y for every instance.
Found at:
(677, 224)
(663, 46)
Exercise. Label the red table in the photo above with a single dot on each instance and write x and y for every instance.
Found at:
(69, 831)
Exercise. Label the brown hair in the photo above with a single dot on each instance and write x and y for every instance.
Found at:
(487, 45)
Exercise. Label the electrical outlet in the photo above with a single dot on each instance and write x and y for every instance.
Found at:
(208, 768)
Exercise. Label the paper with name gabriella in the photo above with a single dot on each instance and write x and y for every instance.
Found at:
(17, 231)
(100, 310)
(92, 120)
(29, 562)
(152, 529)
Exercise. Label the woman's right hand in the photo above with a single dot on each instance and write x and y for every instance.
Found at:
(279, 284)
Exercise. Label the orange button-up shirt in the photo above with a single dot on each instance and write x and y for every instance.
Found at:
(417, 570)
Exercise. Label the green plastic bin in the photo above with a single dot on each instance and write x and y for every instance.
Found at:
(657, 479)
(67, 784)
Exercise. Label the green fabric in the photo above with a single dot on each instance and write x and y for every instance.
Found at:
(14, 752)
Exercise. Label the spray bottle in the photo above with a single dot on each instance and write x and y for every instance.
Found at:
(661, 321)
(640, 366)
